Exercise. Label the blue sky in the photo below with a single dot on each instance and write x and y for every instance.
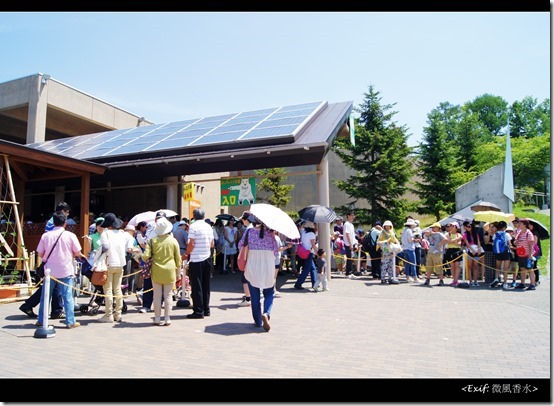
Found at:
(174, 66)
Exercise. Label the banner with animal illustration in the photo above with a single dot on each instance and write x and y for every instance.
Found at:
(238, 191)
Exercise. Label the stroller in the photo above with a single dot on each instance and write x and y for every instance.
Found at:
(96, 299)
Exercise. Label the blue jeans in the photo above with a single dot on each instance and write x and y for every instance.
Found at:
(66, 293)
(307, 267)
(255, 302)
(410, 261)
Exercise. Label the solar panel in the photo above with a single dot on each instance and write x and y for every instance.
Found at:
(250, 128)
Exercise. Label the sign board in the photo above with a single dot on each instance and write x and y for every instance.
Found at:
(238, 191)
(188, 192)
(193, 204)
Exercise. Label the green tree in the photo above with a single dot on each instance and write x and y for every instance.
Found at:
(492, 112)
(529, 158)
(273, 184)
(381, 162)
(528, 119)
(468, 140)
(436, 155)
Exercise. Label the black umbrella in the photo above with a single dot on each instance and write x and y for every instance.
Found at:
(318, 214)
(225, 217)
(540, 229)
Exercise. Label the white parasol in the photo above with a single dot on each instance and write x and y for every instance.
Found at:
(147, 216)
(275, 218)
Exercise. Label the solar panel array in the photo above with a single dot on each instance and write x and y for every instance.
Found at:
(279, 123)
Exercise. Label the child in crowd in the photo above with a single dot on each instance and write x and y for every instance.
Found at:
(321, 265)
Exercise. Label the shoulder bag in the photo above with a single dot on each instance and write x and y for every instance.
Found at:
(40, 269)
(302, 252)
(243, 253)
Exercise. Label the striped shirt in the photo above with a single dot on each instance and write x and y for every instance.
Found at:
(525, 239)
(203, 236)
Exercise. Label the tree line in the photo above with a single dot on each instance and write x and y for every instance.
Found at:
(458, 144)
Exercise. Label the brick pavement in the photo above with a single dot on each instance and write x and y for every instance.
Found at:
(359, 329)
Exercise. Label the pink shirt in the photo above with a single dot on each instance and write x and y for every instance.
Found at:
(60, 261)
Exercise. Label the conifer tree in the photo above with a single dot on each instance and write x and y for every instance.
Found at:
(436, 168)
(277, 192)
(380, 160)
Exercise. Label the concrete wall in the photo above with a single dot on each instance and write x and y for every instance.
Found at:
(488, 186)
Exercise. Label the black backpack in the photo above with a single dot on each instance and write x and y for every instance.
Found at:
(368, 244)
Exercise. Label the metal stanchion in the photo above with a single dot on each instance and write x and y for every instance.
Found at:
(45, 331)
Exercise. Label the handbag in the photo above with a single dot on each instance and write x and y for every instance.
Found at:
(40, 269)
(99, 278)
(302, 252)
(520, 251)
(395, 248)
(243, 254)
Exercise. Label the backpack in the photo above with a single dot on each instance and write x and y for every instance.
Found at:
(499, 245)
(368, 244)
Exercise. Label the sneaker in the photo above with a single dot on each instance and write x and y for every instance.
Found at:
(194, 316)
(383, 281)
(520, 286)
(143, 310)
(314, 289)
(326, 289)
(454, 283)
(505, 286)
(106, 319)
(157, 321)
(74, 325)
(265, 321)
(513, 284)
(244, 303)
(530, 287)
(427, 282)
(441, 283)
(277, 294)
(119, 319)
(58, 316)
(494, 283)
(167, 322)
(393, 282)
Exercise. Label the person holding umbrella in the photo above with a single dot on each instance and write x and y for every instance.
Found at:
(260, 270)
(524, 249)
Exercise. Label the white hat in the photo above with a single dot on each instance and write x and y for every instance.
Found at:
(410, 222)
(387, 223)
(509, 228)
(417, 222)
(163, 226)
(129, 227)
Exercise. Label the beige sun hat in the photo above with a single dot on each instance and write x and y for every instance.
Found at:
(163, 226)
(387, 223)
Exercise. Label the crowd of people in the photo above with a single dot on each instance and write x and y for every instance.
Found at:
(496, 247)
(155, 257)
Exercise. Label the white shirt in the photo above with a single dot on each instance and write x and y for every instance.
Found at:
(118, 244)
(349, 230)
(203, 236)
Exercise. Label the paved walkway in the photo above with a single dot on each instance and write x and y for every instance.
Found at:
(359, 329)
